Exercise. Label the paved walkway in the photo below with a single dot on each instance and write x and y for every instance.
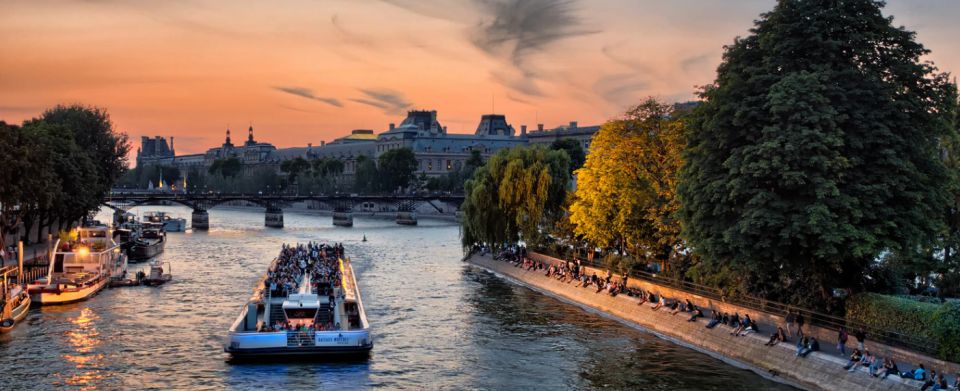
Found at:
(30, 252)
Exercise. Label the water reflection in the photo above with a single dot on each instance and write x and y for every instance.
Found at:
(437, 323)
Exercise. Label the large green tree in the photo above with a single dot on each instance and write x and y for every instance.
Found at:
(814, 151)
(397, 168)
(573, 149)
(511, 196)
(366, 176)
(626, 191)
(93, 133)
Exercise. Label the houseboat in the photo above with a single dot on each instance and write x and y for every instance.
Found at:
(306, 306)
(148, 243)
(83, 264)
(170, 224)
(14, 299)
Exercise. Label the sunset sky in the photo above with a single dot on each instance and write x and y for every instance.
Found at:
(312, 70)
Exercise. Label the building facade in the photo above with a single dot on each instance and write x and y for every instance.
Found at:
(437, 151)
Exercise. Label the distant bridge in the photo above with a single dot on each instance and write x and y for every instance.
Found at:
(342, 205)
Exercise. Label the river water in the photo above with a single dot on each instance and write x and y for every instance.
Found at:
(437, 322)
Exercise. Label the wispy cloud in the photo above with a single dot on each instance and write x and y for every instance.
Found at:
(622, 88)
(694, 62)
(391, 102)
(350, 37)
(510, 31)
(308, 93)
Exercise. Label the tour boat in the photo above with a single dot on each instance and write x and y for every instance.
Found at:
(149, 243)
(81, 267)
(251, 335)
(170, 224)
(14, 300)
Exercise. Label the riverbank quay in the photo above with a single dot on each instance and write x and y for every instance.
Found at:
(769, 320)
(821, 370)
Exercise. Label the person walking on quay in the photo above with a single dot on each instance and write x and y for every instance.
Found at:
(861, 336)
(790, 318)
(842, 341)
(800, 322)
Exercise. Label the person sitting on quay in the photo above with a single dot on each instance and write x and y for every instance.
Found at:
(777, 337)
(734, 321)
(741, 325)
(752, 327)
(659, 304)
(697, 313)
(717, 318)
(643, 298)
(810, 345)
(889, 368)
(867, 361)
(933, 380)
(675, 307)
(920, 373)
(855, 357)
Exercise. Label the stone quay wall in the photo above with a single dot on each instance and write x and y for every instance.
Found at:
(818, 371)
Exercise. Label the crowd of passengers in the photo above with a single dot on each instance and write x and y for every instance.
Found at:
(293, 262)
(300, 326)
(875, 365)
(285, 275)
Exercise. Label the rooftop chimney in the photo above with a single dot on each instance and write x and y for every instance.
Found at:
(523, 130)
(392, 126)
(573, 124)
(322, 143)
(539, 127)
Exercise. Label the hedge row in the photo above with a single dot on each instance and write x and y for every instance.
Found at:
(939, 324)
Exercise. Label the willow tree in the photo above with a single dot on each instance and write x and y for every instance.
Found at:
(814, 151)
(510, 196)
(626, 190)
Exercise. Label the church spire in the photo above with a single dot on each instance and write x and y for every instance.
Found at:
(250, 140)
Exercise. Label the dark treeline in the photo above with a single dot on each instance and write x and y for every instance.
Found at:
(58, 166)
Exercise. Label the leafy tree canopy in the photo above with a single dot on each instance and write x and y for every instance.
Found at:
(814, 151)
(513, 194)
(626, 191)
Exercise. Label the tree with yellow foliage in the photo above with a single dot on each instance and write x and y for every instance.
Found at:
(626, 190)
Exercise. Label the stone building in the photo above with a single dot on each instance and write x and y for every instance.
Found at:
(437, 151)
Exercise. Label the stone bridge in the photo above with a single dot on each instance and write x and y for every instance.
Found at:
(342, 205)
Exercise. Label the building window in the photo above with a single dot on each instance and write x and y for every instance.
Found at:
(430, 166)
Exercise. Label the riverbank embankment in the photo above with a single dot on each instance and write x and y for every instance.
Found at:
(818, 371)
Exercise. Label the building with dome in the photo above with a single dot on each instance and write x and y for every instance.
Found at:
(437, 151)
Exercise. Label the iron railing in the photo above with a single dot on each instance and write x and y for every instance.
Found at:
(811, 317)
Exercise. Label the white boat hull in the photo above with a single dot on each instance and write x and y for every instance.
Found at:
(315, 343)
(54, 296)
